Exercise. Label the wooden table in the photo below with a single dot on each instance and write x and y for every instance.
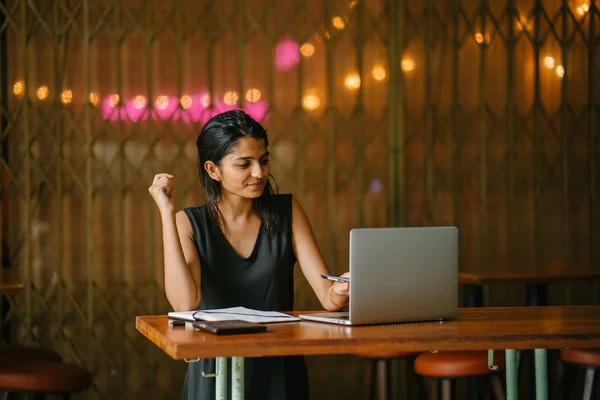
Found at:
(510, 328)
(535, 274)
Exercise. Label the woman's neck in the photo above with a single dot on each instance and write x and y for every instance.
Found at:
(235, 208)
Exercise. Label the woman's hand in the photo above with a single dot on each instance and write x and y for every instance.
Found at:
(340, 288)
(162, 192)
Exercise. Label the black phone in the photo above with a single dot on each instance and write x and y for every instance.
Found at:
(229, 327)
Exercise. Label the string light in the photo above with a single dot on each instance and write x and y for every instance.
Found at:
(407, 65)
(560, 71)
(205, 100)
(549, 62)
(114, 100)
(378, 73)
(307, 49)
(352, 81)
(253, 95)
(479, 38)
(139, 102)
(338, 22)
(42, 92)
(186, 101)
(311, 102)
(230, 98)
(162, 102)
(66, 96)
(18, 87)
(93, 97)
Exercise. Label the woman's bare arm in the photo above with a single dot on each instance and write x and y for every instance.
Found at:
(182, 264)
(312, 262)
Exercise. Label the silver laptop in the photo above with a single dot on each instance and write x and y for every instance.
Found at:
(400, 275)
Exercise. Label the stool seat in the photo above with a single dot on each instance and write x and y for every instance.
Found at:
(589, 357)
(28, 353)
(383, 355)
(455, 364)
(43, 376)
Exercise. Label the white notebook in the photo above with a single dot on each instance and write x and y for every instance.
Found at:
(233, 313)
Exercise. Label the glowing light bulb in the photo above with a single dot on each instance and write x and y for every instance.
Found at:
(205, 100)
(479, 38)
(139, 102)
(93, 97)
(230, 98)
(352, 81)
(186, 101)
(114, 100)
(580, 11)
(353, 4)
(66, 96)
(560, 70)
(585, 7)
(307, 49)
(18, 87)
(253, 95)
(549, 62)
(311, 102)
(162, 102)
(378, 73)
(42, 92)
(338, 22)
(407, 65)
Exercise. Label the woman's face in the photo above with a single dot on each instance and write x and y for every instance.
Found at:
(244, 171)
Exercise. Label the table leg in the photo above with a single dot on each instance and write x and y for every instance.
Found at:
(511, 375)
(473, 298)
(541, 375)
(237, 378)
(221, 372)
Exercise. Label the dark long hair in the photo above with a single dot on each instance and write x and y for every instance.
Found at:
(216, 140)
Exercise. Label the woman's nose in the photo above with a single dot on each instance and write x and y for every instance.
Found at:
(258, 171)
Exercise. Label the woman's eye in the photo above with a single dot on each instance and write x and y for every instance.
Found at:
(266, 161)
(245, 165)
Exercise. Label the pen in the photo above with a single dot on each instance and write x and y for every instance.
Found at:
(336, 278)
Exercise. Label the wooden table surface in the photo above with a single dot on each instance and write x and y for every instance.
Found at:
(483, 271)
(474, 329)
(10, 283)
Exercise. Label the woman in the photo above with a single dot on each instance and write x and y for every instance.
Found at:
(239, 249)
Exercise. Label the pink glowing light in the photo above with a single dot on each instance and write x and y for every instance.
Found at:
(165, 107)
(287, 54)
(169, 107)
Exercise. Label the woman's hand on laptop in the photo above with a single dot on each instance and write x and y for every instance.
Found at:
(339, 293)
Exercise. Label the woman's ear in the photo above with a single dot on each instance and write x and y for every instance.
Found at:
(212, 170)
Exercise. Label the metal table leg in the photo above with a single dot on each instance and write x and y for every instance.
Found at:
(541, 375)
(221, 377)
(237, 378)
(511, 375)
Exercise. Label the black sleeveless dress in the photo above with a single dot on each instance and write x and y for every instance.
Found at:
(263, 281)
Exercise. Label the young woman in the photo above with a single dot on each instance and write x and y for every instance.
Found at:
(239, 249)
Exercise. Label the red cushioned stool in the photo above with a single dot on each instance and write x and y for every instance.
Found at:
(573, 360)
(43, 377)
(447, 366)
(380, 371)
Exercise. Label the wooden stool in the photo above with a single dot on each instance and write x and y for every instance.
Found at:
(572, 359)
(380, 371)
(28, 353)
(449, 365)
(43, 377)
